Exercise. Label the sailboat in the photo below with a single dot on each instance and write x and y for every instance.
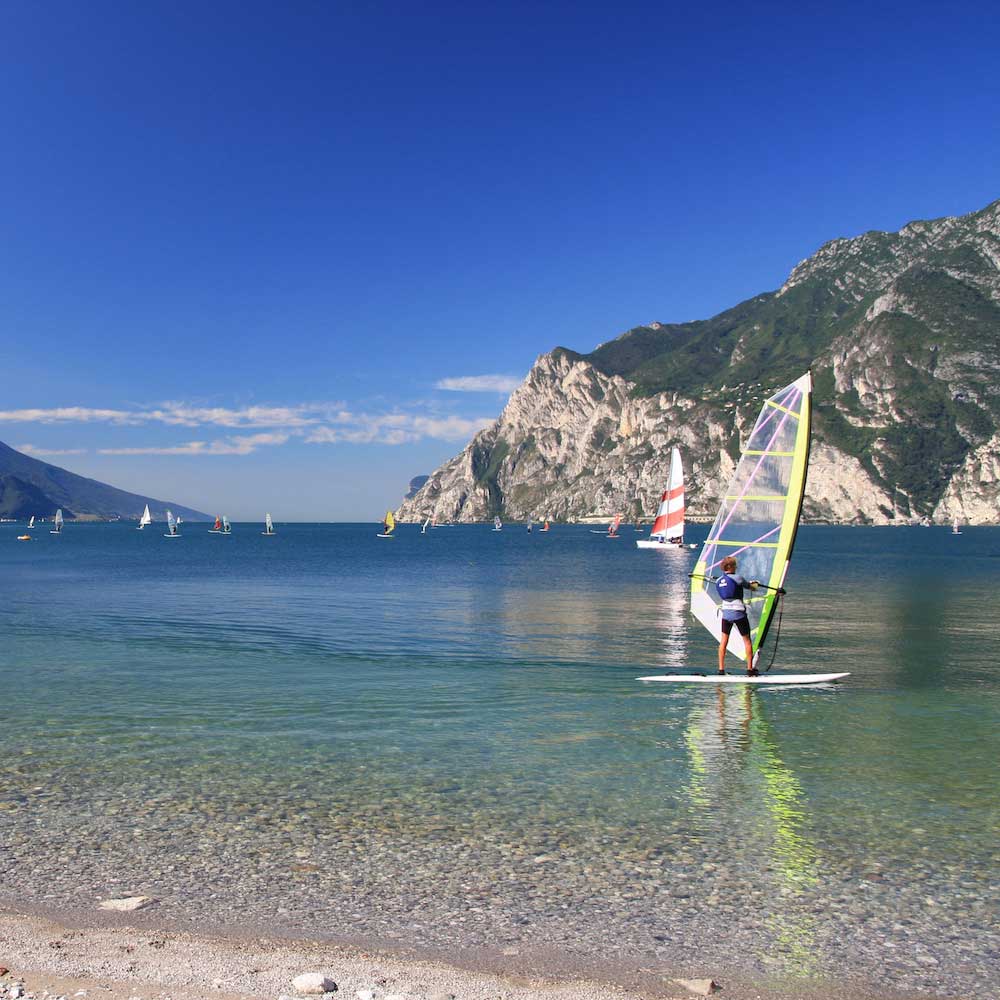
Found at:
(58, 523)
(388, 525)
(216, 528)
(268, 525)
(757, 522)
(146, 518)
(497, 523)
(173, 530)
(668, 528)
(425, 526)
(955, 529)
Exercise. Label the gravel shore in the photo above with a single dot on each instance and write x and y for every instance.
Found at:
(118, 958)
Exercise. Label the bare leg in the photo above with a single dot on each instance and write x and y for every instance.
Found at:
(749, 649)
(723, 642)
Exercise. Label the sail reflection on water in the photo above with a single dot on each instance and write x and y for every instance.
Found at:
(736, 769)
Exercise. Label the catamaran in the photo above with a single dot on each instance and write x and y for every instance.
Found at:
(146, 518)
(268, 525)
(757, 522)
(668, 528)
(388, 525)
(497, 523)
(57, 523)
(173, 526)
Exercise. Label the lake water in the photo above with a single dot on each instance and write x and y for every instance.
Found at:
(439, 741)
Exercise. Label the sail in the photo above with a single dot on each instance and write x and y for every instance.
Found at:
(59, 519)
(31, 523)
(497, 523)
(390, 522)
(425, 526)
(171, 523)
(218, 523)
(146, 517)
(759, 514)
(225, 524)
(268, 524)
(613, 529)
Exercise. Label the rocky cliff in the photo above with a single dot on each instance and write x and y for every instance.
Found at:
(901, 331)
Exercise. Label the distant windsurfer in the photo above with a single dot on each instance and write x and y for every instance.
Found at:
(734, 612)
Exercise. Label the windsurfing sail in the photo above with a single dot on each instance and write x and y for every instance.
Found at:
(669, 521)
(171, 523)
(31, 523)
(613, 527)
(759, 514)
(226, 526)
(146, 518)
(268, 524)
(389, 522)
(58, 521)
(218, 524)
(545, 527)
(497, 523)
(425, 526)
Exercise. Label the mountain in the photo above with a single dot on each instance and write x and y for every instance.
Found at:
(901, 331)
(28, 486)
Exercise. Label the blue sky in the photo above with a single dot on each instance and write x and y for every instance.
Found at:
(243, 245)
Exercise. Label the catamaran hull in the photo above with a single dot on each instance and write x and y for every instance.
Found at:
(770, 680)
(645, 543)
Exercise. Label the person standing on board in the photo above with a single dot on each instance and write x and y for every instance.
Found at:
(730, 587)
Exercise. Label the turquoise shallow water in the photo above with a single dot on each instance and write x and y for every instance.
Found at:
(439, 740)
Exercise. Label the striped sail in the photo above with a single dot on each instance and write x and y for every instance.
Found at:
(759, 514)
(669, 521)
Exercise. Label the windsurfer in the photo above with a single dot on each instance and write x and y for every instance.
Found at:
(734, 612)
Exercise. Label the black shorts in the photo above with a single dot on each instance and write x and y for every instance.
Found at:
(742, 624)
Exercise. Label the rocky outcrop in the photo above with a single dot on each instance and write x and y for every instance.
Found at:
(902, 334)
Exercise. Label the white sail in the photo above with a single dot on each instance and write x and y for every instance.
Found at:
(426, 524)
(268, 524)
(497, 523)
(58, 522)
(759, 514)
(171, 523)
(146, 518)
(226, 527)
(31, 523)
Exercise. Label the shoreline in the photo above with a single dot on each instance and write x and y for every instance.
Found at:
(125, 956)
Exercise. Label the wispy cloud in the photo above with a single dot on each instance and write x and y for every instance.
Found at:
(395, 428)
(245, 444)
(30, 449)
(176, 414)
(480, 383)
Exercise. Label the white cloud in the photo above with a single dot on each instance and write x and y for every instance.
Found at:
(70, 414)
(395, 428)
(245, 444)
(480, 383)
(30, 449)
(179, 414)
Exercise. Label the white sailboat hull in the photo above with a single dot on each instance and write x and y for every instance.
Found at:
(647, 543)
(765, 680)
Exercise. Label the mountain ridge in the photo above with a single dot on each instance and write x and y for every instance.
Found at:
(901, 331)
(31, 481)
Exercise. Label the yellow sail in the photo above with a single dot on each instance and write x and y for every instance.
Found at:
(390, 522)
